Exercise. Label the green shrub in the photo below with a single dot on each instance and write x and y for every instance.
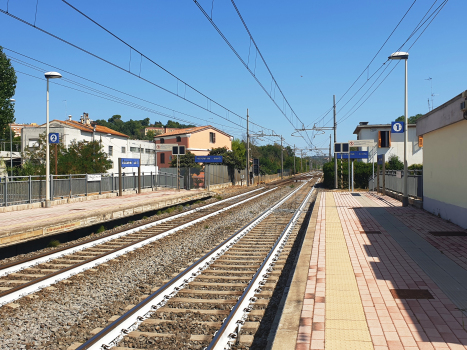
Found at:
(53, 243)
(218, 197)
(145, 217)
(362, 173)
(100, 229)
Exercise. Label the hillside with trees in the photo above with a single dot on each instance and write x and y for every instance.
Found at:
(135, 128)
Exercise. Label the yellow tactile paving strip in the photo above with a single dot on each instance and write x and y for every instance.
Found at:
(345, 326)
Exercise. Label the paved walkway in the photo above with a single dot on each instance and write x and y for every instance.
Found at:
(367, 252)
(87, 212)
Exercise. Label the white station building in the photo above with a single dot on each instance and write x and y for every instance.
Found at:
(115, 144)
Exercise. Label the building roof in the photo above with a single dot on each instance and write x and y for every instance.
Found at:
(190, 131)
(89, 128)
(448, 113)
(376, 126)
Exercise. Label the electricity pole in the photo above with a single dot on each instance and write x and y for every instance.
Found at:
(335, 137)
(247, 150)
(330, 143)
(294, 159)
(282, 160)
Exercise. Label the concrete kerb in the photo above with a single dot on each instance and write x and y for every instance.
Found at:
(34, 231)
(287, 330)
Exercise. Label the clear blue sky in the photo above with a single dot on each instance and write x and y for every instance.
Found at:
(314, 49)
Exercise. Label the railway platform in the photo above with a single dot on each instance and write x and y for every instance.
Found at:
(25, 225)
(374, 275)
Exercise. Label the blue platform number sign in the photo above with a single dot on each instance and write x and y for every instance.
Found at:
(53, 137)
(397, 127)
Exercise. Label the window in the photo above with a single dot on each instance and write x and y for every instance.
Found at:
(162, 141)
(179, 139)
(170, 158)
(420, 141)
(134, 149)
(162, 158)
(111, 151)
(384, 139)
(212, 137)
(123, 150)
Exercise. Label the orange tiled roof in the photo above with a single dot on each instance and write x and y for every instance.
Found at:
(90, 128)
(190, 131)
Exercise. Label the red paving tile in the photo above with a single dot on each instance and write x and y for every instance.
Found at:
(39, 217)
(380, 264)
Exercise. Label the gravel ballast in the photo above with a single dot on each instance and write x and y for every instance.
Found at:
(66, 313)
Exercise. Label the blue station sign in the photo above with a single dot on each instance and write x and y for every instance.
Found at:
(129, 162)
(353, 155)
(54, 137)
(208, 159)
(397, 127)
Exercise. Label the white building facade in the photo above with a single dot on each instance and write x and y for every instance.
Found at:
(444, 132)
(389, 144)
(115, 144)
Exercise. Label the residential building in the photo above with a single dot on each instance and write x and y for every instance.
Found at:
(198, 140)
(159, 130)
(114, 143)
(16, 128)
(389, 144)
(443, 132)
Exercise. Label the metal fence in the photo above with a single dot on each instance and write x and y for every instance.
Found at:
(394, 181)
(30, 189)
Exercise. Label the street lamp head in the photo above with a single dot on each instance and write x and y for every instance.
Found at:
(52, 75)
(399, 56)
(12, 100)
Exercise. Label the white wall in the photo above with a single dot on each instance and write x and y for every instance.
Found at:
(414, 154)
(444, 173)
(70, 134)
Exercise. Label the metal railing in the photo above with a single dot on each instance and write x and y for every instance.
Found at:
(394, 180)
(15, 190)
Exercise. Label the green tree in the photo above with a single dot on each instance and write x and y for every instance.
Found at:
(186, 161)
(394, 163)
(80, 158)
(84, 157)
(412, 120)
(7, 91)
(150, 135)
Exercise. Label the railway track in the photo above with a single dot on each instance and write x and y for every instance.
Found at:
(30, 275)
(218, 301)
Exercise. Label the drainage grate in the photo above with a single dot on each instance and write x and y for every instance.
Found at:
(371, 232)
(411, 294)
(355, 194)
(448, 233)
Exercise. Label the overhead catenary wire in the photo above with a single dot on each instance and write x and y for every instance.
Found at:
(418, 27)
(105, 86)
(367, 67)
(285, 101)
(434, 14)
(136, 75)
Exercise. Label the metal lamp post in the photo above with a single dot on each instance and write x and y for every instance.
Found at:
(404, 56)
(48, 75)
(11, 146)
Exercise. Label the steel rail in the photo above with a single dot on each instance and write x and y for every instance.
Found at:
(45, 281)
(45, 257)
(229, 332)
(111, 335)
